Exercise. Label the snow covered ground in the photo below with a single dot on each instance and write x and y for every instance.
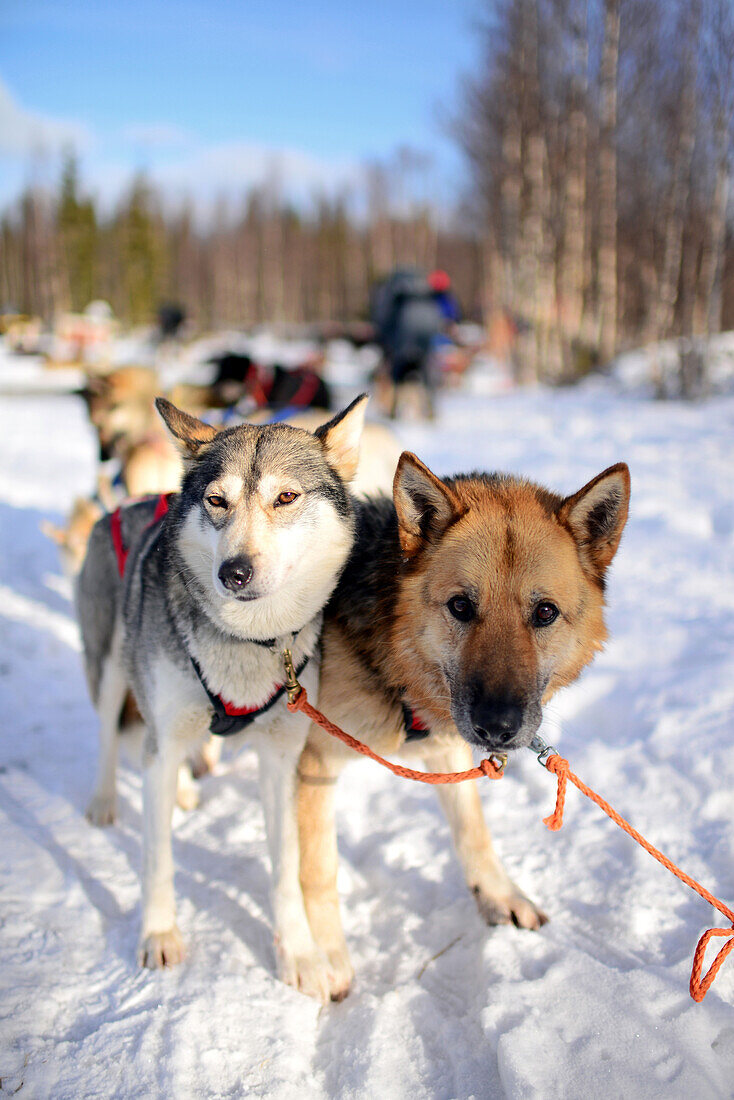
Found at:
(596, 1004)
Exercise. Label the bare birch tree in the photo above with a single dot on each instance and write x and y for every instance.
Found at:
(607, 247)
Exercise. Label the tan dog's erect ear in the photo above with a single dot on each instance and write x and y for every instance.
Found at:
(341, 436)
(425, 506)
(596, 516)
(190, 435)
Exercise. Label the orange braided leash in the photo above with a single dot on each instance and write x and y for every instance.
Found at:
(555, 763)
(485, 767)
(699, 986)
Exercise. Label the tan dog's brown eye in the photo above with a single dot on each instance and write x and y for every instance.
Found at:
(216, 501)
(286, 498)
(461, 608)
(545, 613)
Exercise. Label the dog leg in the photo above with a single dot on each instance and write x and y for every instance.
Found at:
(196, 764)
(300, 962)
(498, 899)
(160, 940)
(319, 865)
(187, 789)
(206, 758)
(112, 690)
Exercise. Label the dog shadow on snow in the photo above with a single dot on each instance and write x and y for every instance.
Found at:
(211, 873)
(215, 878)
(29, 565)
(399, 904)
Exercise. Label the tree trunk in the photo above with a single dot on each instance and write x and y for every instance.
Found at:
(535, 291)
(571, 281)
(607, 252)
(708, 306)
(511, 193)
(679, 193)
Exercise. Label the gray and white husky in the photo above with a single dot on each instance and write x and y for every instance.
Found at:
(193, 625)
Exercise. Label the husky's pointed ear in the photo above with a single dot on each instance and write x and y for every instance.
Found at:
(190, 435)
(340, 438)
(596, 516)
(424, 504)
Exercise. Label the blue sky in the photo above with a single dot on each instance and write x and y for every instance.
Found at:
(205, 95)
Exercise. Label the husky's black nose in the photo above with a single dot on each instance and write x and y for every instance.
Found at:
(497, 720)
(236, 573)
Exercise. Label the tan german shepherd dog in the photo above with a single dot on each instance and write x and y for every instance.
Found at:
(465, 605)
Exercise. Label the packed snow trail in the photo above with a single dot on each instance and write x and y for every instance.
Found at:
(594, 1004)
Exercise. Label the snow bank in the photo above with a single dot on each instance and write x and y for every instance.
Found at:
(594, 1004)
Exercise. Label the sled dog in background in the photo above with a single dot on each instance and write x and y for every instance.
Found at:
(72, 538)
(239, 567)
(465, 605)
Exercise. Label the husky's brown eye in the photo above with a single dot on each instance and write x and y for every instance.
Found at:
(216, 501)
(286, 498)
(545, 613)
(461, 608)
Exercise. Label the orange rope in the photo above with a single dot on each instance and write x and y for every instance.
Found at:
(485, 767)
(699, 986)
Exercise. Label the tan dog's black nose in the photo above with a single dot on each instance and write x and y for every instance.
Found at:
(497, 720)
(236, 573)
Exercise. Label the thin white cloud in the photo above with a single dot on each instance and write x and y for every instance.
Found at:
(234, 166)
(175, 160)
(25, 133)
(156, 135)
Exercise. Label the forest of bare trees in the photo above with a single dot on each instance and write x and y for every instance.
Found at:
(262, 260)
(598, 138)
(599, 135)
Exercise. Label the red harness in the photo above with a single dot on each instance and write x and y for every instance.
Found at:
(415, 728)
(306, 392)
(227, 718)
(261, 386)
(122, 551)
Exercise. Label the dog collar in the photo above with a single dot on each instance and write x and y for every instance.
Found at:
(229, 719)
(415, 728)
(270, 643)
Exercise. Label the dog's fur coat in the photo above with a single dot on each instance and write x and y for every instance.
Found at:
(472, 600)
(240, 567)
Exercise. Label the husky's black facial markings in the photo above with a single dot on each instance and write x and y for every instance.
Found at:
(201, 473)
(279, 450)
(334, 492)
(286, 452)
(259, 459)
(249, 452)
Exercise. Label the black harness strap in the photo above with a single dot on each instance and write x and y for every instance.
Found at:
(228, 719)
(415, 729)
(270, 643)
